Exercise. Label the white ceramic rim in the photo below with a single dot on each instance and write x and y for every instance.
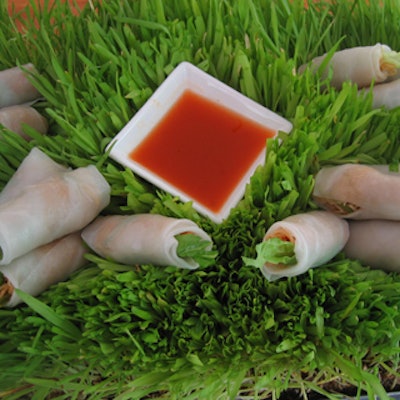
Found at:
(187, 76)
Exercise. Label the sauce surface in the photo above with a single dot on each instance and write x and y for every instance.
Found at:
(202, 148)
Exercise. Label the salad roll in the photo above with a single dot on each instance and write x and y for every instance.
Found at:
(142, 239)
(50, 209)
(297, 243)
(15, 87)
(359, 191)
(361, 65)
(35, 167)
(375, 243)
(386, 95)
(42, 267)
(16, 117)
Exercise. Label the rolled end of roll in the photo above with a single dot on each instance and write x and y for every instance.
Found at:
(6, 290)
(15, 87)
(318, 237)
(16, 117)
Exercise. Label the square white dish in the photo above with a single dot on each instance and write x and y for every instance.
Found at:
(200, 144)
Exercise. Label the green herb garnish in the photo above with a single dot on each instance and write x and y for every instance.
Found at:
(390, 62)
(194, 247)
(274, 251)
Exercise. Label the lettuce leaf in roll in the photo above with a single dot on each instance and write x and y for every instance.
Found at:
(194, 247)
(275, 251)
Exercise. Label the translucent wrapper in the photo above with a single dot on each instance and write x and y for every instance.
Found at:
(318, 236)
(375, 243)
(42, 267)
(35, 167)
(361, 65)
(16, 117)
(141, 239)
(15, 87)
(50, 209)
(359, 191)
(386, 95)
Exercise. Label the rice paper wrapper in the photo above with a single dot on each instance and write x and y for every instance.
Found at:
(141, 239)
(15, 87)
(359, 191)
(44, 266)
(318, 237)
(50, 209)
(386, 94)
(375, 243)
(16, 117)
(35, 167)
(360, 65)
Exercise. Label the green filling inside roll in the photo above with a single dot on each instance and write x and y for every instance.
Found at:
(273, 251)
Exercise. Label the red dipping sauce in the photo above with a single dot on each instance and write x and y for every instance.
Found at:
(202, 148)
